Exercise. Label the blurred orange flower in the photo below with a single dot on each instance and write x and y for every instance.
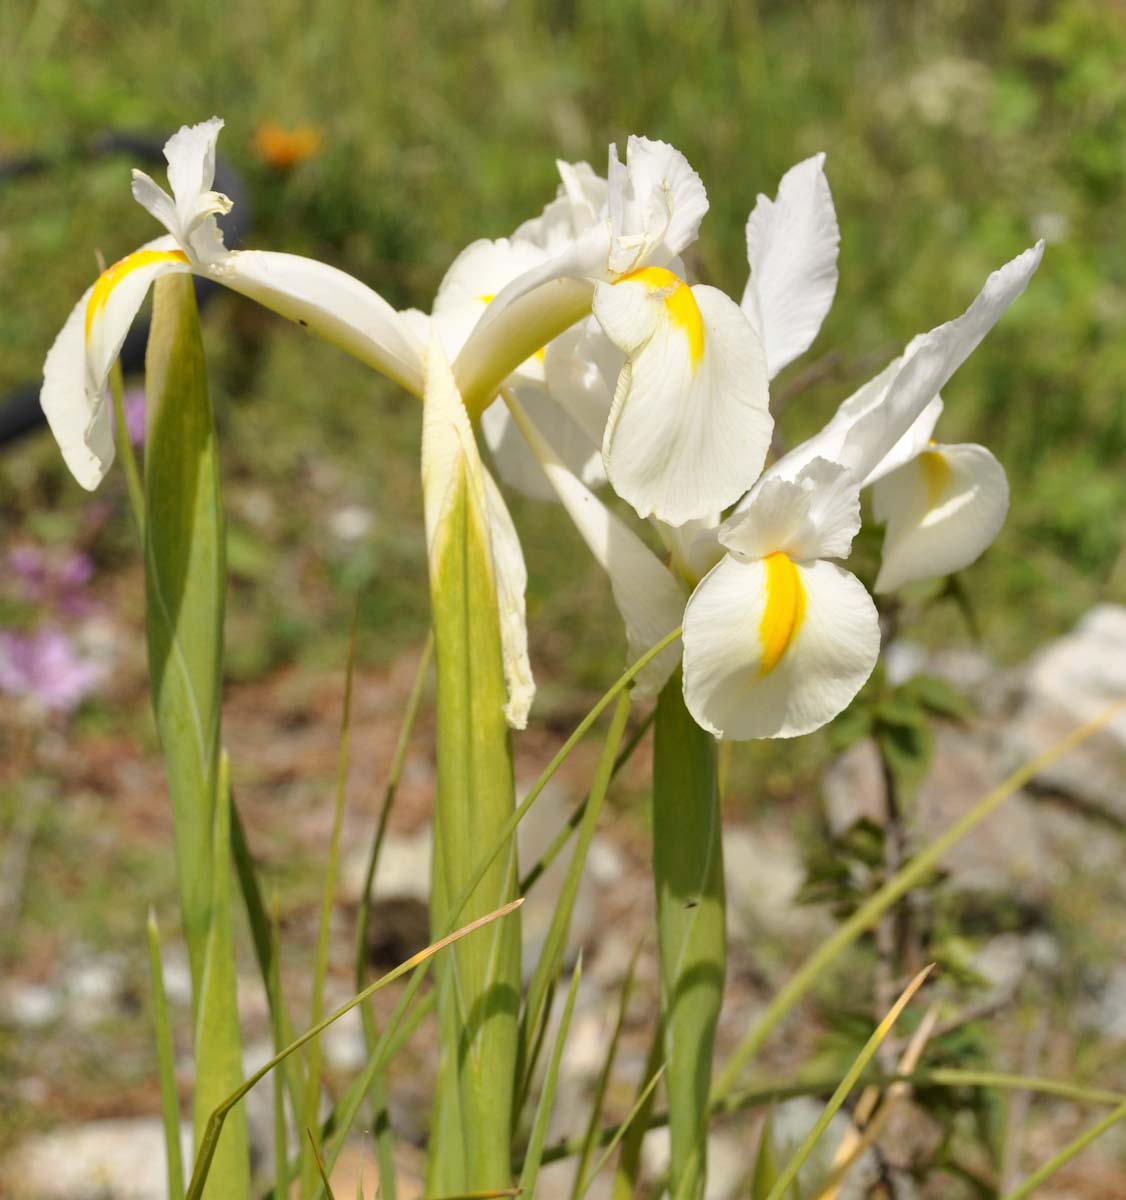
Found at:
(284, 148)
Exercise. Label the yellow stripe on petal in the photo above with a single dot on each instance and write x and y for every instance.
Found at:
(680, 304)
(112, 276)
(784, 611)
(936, 472)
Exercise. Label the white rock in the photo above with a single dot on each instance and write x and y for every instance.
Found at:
(30, 1005)
(103, 1160)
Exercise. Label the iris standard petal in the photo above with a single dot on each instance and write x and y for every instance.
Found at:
(774, 648)
(792, 247)
(690, 424)
(942, 509)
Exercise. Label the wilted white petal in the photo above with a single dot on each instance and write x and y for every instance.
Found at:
(579, 203)
(942, 510)
(332, 304)
(512, 583)
(792, 247)
(646, 592)
(73, 396)
(774, 648)
(690, 425)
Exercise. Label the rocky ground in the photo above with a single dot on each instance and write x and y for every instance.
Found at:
(1039, 891)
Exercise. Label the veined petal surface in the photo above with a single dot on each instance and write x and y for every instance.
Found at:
(690, 424)
(774, 648)
(792, 247)
(942, 509)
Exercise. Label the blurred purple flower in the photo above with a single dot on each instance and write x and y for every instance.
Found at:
(51, 581)
(133, 403)
(47, 668)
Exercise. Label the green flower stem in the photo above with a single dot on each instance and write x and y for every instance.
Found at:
(691, 933)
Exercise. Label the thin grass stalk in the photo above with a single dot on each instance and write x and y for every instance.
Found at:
(790, 1171)
(185, 591)
(531, 1168)
(380, 1119)
(206, 1153)
(627, 1174)
(281, 1040)
(555, 942)
(166, 1064)
(1060, 1160)
(598, 1098)
(899, 885)
(309, 1114)
(691, 927)
(134, 486)
(633, 1114)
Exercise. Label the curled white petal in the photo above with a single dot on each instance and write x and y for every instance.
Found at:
(942, 509)
(912, 443)
(741, 681)
(690, 424)
(646, 592)
(73, 396)
(792, 247)
(579, 204)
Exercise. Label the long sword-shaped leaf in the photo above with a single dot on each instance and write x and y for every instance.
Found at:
(185, 587)
(691, 929)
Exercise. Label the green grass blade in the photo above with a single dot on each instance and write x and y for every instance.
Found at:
(310, 1158)
(598, 1099)
(1057, 1161)
(384, 1141)
(790, 1171)
(898, 886)
(281, 1039)
(555, 941)
(634, 1113)
(267, 950)
(765, 1175)
(320, 1167)
(531, 1168)
(205, 1155)
(691, 927)
(166, 1065)
(627, 1174)
(555, 847)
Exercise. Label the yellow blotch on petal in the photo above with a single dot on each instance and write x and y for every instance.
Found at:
(112, 276)
(936, 472)
(784, 611)
(680, 304)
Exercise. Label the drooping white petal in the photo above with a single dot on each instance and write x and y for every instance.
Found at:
(815, 515)
(942, 510)
(512, 583)
(690, 425)
(475, 278)
(655, 202)
(869, 423)
(73, 396)
(515, 462)
(774, 648)
(332, 304)
(449, 455)
(579, 204)
(646, 592)
(792, 246)
(912, 443)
